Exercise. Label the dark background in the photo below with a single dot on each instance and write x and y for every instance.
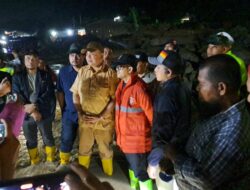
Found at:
(39, 14)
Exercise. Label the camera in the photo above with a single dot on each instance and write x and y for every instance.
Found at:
(3, 132)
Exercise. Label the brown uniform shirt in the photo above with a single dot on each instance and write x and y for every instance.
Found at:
(95, 90)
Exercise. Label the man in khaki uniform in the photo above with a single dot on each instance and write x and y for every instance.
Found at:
(93, 96)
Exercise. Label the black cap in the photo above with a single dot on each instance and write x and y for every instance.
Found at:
(170, 59)
(218, 39)
(74, 48)
(31, 52)
(95, 45)
(125, 59)
(141, 56)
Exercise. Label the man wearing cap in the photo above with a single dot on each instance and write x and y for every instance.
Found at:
(169, 45)
(221, 43)
(108, 55)
(93, 96)
(143, 71)
(66, 78)
(172, 109)
(35, 90)
(133, 116)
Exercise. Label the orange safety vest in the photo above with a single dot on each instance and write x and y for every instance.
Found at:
(133, 116)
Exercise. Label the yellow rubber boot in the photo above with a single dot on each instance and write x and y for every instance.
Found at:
(64, 158)
(34, 157)
(107, 165)
(84, 161)
(50, 152)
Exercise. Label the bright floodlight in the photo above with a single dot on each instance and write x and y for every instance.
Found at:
(70, 32)
(185, 19)
(53, 33)
(5, 50)
(3, 37)
(3, 42)
(81, 32)
(26, 186)
(118, 19)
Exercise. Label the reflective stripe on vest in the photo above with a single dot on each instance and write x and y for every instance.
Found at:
(7, 70)
(128, 110)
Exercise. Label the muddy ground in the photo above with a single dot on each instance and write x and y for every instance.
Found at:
(23, 168)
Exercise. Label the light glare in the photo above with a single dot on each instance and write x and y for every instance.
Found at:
(70, 32)
(53, 33)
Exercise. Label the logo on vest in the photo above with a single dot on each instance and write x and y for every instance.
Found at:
(131, 100)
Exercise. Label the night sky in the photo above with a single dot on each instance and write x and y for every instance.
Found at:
(35, 14)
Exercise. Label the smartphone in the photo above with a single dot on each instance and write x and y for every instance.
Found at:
(53, 181)
(3, 132)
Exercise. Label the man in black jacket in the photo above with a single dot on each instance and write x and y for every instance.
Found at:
(172, 109)
(36, 91)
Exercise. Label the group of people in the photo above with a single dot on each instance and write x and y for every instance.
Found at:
(149, 112)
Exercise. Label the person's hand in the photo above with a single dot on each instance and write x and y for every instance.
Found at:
(170, 152)
(36, 116)
(152, 171)
(5, 87)
(84, 180)
(91, 119)
(167, 166)
(29, 108)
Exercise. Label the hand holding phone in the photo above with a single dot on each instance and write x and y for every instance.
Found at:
(84, 179)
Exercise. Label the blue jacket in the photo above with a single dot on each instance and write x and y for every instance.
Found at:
(171, 118)
(45, 94)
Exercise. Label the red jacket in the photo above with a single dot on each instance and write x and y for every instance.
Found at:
(133, 116)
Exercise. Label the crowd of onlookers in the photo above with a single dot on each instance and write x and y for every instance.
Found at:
(197, 134)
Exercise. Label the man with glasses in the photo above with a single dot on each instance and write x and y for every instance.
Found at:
(134, 115)
(66, 78)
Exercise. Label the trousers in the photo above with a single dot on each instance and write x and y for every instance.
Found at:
(103, 138)
(30, 129)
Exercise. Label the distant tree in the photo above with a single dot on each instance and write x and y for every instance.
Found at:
(135, 17)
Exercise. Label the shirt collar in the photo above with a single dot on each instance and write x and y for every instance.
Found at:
(104, 68)
(71, 68)
(230, 111)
